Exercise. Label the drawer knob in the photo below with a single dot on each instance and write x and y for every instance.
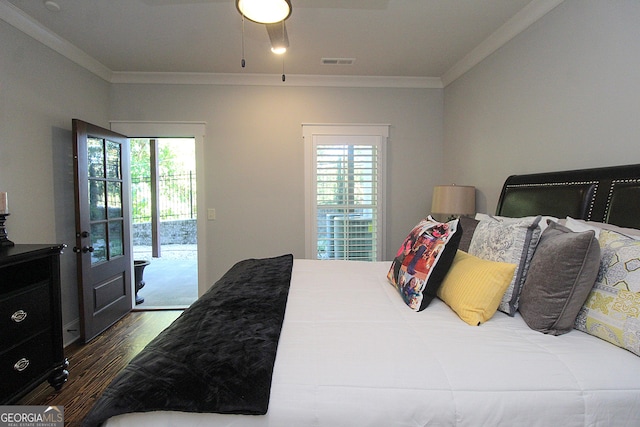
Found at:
(21, 364)
(19, 316)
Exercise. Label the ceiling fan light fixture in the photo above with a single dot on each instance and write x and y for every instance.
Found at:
(264, 11)
(278, 37)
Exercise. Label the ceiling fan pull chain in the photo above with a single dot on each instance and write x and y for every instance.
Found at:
(283, 76)
(243, 63)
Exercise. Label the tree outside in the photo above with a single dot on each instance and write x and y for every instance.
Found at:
(177, 179)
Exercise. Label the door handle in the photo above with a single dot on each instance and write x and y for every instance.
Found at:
(84, 249)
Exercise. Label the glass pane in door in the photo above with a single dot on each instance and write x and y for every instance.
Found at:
(97, 200)
(95, 156)
(114, 157)
(114, 201)
(99, 242)
(116, 244)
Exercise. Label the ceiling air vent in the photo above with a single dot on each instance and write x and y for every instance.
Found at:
(338, 61)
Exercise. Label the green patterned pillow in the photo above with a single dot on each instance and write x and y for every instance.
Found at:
(612, 310)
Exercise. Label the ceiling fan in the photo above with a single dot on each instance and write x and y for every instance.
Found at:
(271, 13)
(277, 11)
(274, 13)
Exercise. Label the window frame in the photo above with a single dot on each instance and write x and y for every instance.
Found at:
(380, 132)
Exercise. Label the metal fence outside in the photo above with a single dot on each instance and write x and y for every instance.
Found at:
(177, 197)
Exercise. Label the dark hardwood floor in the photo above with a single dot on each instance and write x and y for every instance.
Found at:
(92, 366)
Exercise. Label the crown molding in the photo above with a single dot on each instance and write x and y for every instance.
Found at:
(514, 26)
(517, 24)
(249, 79)
(23, 22)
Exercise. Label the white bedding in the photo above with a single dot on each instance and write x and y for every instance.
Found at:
(352, 353)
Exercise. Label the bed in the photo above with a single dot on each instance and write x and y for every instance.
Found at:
(350, 350)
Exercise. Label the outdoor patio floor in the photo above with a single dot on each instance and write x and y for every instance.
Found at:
(171, 280)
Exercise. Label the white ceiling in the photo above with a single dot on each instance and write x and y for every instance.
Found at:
(387, 38)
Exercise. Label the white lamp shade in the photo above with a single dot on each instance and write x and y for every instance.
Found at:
(264, 11)
(457, 200)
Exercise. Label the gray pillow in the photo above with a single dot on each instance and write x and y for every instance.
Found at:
(563, 271)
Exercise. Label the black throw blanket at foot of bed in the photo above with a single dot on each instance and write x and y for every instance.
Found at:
(217, 356)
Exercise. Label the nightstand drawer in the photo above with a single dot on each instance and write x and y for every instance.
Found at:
(25, 313)
(26, 363)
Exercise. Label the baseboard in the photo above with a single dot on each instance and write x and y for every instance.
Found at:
(162, 308)
(71, 332)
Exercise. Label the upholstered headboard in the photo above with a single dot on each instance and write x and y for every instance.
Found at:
(610, 194)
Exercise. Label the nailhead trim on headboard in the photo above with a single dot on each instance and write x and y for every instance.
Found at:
(597, 204)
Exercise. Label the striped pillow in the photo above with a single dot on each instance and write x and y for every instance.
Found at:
(474, 287)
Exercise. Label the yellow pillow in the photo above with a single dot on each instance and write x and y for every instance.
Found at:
(474, 287)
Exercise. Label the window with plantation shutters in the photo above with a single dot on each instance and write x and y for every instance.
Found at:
(345, 191)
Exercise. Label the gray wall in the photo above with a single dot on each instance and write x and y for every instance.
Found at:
(254, 155)
(40, 92)
(565, 94)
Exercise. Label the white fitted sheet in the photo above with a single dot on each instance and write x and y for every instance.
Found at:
(352, 354)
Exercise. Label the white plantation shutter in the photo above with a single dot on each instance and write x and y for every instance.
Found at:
(345, 200)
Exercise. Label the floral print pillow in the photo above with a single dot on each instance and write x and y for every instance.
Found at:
(612, 310)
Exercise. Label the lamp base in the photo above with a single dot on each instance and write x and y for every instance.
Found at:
(4, 240)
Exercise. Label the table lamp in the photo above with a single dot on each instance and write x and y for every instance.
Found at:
(453, 201)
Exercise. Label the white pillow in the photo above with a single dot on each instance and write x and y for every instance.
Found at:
(582, 225)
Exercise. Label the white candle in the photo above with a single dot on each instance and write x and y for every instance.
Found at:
(4, 203)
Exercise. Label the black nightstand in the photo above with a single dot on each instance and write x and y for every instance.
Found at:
(31, 347)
